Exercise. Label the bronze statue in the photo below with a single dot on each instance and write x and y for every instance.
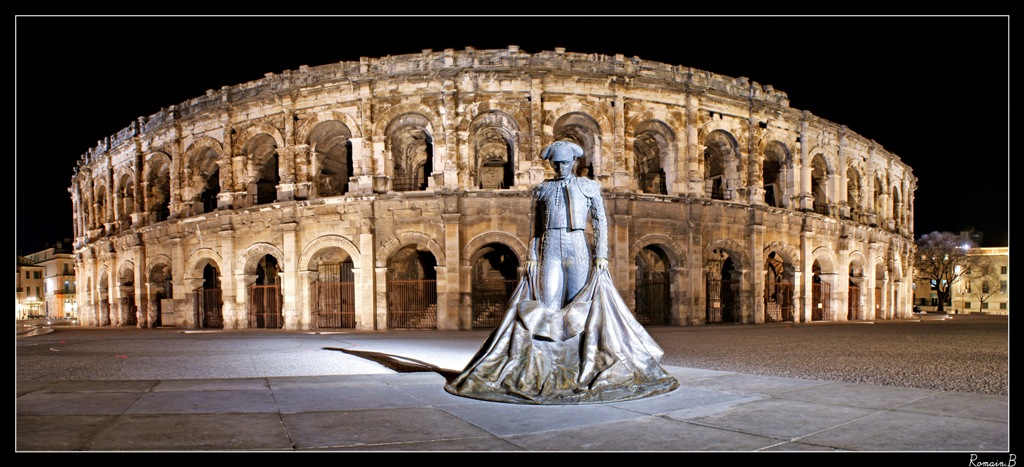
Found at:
(567, 337)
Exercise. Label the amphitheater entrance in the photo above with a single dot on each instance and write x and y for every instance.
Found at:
(127, 310)
(412, 289)
(653, 291)
(778, 290)
(722, 289)
(265, 298)
(495, 277)
(852, 301)
(208, 302)
(333, 293)
(103, 299)
(821, 296)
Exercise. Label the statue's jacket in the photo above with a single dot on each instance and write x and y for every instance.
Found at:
(565, 204)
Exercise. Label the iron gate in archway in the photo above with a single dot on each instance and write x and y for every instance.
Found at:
(721, 301)
(333, 296)
(778, 302)
(265, 307)
(821, 296)
(653, 299)
(207, 308)
(412, 304)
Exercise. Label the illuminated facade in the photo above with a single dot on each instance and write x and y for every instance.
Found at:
(393, 192)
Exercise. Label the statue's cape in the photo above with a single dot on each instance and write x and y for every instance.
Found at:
(593, 350)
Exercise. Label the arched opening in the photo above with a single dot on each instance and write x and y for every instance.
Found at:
(778, 289)
(159, 186)
(412, 289)
(495, 277)
(821, 295)
(722, 288)
(208, 300)
(879, 311)
(581, 129)
(853, 192)
(772, 173)
(853, 292)
(897, 208)
(653, 288)
(495, 170)
(879, 202)
(332, 291)
(719, 153)
(103, 299)
(160, 289)
(652, 150)
(101, 207)
(208, 197)
(412, 153)
(127, 309)
(819, 177)
(333, 156)
(267, 181)
(492, 139)
(265, 297)
(127, 202)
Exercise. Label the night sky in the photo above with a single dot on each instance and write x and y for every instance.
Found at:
(932, 90)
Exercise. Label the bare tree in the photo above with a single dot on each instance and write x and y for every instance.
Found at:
(943, 258)
(982, 281)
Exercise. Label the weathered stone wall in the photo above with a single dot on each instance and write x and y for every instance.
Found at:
(437, 152)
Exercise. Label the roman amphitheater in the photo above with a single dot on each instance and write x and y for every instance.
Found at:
(394, 192)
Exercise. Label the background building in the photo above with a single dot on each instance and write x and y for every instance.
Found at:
(28, 284)
(394, 193)
(55, 289)
(966, 296)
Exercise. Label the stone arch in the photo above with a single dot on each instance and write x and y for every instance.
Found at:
(156, 186)
(897, 201)
(331, 156)
(264, 167)
(674, 251)
(200, 174)
(720, 162)
(402, 239)
(493, 150)
(242, 137)
(388, 117)
(775, 161)
(584, 124)
(476, 243)
(514, 111)
(303, 130)
(821, 174)
(309, 253)
(826, 258)
(101, 202)
(199, 259)
(654, 155)
(124, 183)
(732, 247)
(250, 257)
(854, 190)
(411, 143)
(789, 253)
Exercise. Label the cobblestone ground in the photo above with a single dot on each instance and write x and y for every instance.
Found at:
(963, 353)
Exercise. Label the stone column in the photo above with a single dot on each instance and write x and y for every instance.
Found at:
(618, 250)
(448, 294)
(232, 307)
(381, 277)
(756, 252)
(291, 249)
(365, 288)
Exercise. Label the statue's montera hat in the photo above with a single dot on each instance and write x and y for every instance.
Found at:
(561, 151)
